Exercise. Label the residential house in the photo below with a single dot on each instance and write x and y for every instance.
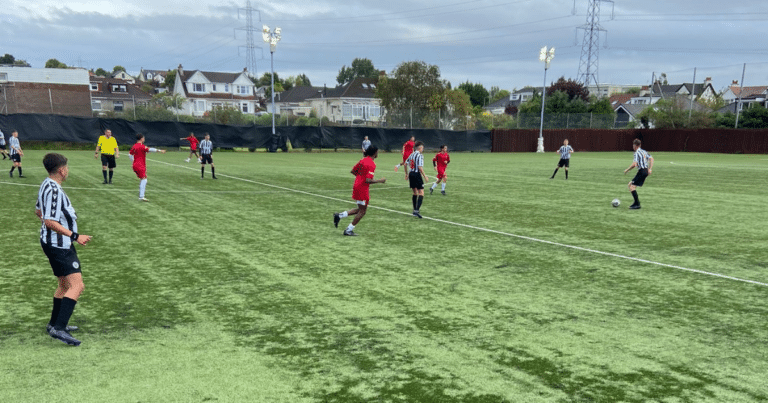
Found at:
(115, 95)
(351, 103)
(122, 75)
(203, 91)
(607, 90)
(155, 78)
(747, 95)
(50, 91)
(514, 100)
(697, 91)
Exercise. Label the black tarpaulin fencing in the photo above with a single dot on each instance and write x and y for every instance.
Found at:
(35, 127)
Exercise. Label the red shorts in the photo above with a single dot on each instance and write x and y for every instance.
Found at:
(141, 172)
(361, 194)
(440, 173)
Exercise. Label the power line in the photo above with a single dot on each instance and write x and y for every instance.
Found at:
(250, 45)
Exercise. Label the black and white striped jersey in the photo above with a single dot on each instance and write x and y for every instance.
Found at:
(414, 161)
(206, 147)
(641, 158)
(2, 138)
(55, 205)
(565, 152)
(13, 142)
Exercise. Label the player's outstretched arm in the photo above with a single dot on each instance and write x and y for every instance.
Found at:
(57, 227)
(650, 164)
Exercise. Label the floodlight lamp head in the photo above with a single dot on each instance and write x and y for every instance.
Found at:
(278, 31)
(265, 33)
(551, 54)
(543, 54)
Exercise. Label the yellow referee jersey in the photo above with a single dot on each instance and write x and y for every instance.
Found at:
(107, 145)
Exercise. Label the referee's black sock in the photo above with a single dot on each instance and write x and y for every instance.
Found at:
(65, 312)
(213, 171)
(418, 202)
(202, 171)
(20, 172)
(103, 172)
(566, 174)
(634, 194)
(110, 176)
(12, 168)
(414, 199)
(55, 311)
(555, 173)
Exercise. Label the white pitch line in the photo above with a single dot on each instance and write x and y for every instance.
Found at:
(635, 259)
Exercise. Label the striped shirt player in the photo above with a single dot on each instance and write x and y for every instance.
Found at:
(16, 152)
(2, 145)
(565, 159)
(416, 176)
(644, 164)
(206, 149)
(58, 234)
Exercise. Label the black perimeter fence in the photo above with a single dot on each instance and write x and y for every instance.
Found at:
(56, 128)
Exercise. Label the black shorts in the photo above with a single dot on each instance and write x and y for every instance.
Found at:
(639, 179)
(414, 177)
(564, 162)
(206, 159)
(108, 161)
(2, 146)
(63, 261)
(16, 157)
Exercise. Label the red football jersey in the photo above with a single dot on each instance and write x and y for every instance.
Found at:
(408, 148)
(193, 141)
(363, 170)
(442, 160)
(139, 152)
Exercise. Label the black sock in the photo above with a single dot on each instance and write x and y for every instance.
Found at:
(566, 174)
(12, 168)
(202, 171)
(105, 175)
(20, 172)
(414, 199)
(55, 311)
(634, 194)
(110, 176)
(418, 202)
(555, 173)
(213, 171)
(67, 307)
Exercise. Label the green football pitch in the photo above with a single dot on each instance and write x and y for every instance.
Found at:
(512, 288)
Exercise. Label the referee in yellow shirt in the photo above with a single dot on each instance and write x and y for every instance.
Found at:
(107, 145)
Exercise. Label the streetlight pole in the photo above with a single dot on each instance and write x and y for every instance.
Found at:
(272, 37)
(546, 57)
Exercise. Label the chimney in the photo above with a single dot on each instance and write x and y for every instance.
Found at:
(735, 82)
(181, 70)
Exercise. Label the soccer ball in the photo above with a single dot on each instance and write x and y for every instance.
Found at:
(615, 203)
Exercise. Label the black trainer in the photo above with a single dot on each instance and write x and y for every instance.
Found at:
(22, 176)
(214, 177)
(105, 183)
(349, 233)
(430, 190)
(64, 336)
(48, 328)
(442, 192)
(336, 220)
(416, 214)
(634, 207)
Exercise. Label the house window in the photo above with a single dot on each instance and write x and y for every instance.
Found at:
(374, 111)
(3, 76)
(346, 111)
(357, 111)
(118, 106)
(200, 106)
(96, 105)
(226, 87)
(243, 89)
(214, 87)
(94, 86)
(199, 87)
(119, 88)
(245, 107)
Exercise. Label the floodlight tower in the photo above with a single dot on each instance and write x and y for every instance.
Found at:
(590, 46)
(546, 57)
(272, 37)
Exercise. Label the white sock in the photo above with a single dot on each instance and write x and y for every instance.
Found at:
(443, 186)
(350, 227)
(142, 187)
(343, 214)
(434, 185)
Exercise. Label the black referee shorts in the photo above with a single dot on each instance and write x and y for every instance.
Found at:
(639, 178)
(16, 157)
(564, 162)
(414, 177)
(63, 261)
(2, 146)
(206, 159)
(108, 161)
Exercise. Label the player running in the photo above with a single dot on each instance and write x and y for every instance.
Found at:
(192, 146)
(644, 164)
(407, 151)
(565, 159)
(363, 172)
(440, 162)
(139, 154)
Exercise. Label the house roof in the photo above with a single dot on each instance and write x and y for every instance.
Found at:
(358, 88)
(631, 109)
(214, 77)
(669, 90)
(105, 89)
(748, 91)
(619, 99)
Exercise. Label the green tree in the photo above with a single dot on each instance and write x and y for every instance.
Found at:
(7, 59)
(572, 88)
(477, 93)
(498, 94)
(360, 68)
(118, 68)
(754, 117)
(54, 64)
(101, 72)
(170, 80)
(601, 106)
(407, 94)
(673, 113)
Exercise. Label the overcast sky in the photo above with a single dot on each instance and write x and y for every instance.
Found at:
(492, 42)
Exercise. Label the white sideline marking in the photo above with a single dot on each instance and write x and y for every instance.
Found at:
(527, 238)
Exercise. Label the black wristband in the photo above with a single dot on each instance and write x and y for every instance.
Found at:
(74, 236)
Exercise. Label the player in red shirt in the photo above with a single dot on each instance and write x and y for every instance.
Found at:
(192, 146)
(440, 162)
(139, 156)
(363, 172)
(407, 151)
